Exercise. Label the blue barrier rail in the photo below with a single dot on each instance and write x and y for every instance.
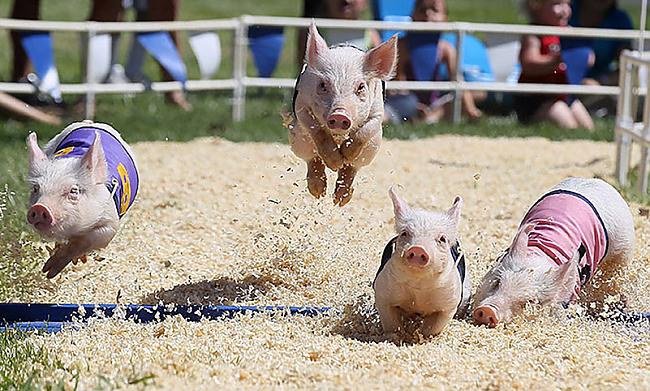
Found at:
(52, 317)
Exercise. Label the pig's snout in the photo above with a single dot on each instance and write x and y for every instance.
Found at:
(40, 217)
(339, 120)
(486, 315)
(417, 255)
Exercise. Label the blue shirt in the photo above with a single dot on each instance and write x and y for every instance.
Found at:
(476, 63)
(605, 50)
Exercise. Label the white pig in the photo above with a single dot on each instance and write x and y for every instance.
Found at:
(425, 273)
(82, 183)
(579, 226)
(338, 110)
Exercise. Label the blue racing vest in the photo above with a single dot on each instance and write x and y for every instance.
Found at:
(122, 179)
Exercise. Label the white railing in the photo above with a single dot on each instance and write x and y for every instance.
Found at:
(240, 81)
(634, 68)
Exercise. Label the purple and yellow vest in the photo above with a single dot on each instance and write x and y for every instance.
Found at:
(122, 179)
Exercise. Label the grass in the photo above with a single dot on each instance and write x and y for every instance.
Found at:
(146, 117)
(25, 366)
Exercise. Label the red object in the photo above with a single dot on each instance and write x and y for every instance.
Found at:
(550, 44)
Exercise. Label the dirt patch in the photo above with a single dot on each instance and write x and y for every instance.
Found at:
(224, 223)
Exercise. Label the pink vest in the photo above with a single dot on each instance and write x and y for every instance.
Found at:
(566, 223)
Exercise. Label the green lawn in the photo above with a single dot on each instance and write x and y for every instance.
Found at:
(146, 117)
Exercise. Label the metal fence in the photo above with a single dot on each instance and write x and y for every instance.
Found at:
(632, 126)
(240, 80)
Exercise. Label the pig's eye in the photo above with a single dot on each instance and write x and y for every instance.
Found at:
(35, 188)
(322, 87)
(74, 192)
(361, 88)
(404, 234)
(442, 239)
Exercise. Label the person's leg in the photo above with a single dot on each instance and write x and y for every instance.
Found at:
(557, 112)
(167, 10)
(581, 115)
(21, 9)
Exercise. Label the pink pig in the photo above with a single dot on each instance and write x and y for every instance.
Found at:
(578, 227)
(82, 183)
(423, 270)
(338, 110)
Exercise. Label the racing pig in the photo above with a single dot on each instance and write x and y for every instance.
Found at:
(579, 226)
(422, 270)
(338, 107)
(82, 183)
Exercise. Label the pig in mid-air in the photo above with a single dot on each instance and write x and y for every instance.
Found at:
(579, 226)
(82, 183)
(338, 109)
(423, 271)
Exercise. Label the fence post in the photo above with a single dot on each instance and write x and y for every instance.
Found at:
(645, 134)
(239, 70)
(458, 93)
(623, 120)
(90, 92)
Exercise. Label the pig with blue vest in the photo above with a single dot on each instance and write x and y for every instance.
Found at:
(580, 230)
(82, 183)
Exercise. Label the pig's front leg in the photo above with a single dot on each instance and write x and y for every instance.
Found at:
(343, 191)
(316, 178)
(434, 324)
(76, 248)
(326, 147)
(367, 137)
(391, 319)
(303, 146)
(358, 150)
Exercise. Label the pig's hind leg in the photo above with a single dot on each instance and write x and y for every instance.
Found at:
(605, 287)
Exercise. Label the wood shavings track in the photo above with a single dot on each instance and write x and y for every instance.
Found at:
(224, 223)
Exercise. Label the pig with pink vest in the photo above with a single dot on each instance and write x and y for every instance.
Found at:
(338, 108)
(579, 227)
(82, 183)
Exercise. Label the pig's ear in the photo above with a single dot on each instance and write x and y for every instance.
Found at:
(520, 243)
(381, 61)
(35, 153)
(316, 46)
(95, 161)
(400, 207)
(454, 211)
(560, 282)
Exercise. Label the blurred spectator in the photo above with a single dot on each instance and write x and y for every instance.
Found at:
(602, 14)
(167, 10)
(310, 9)
(541, 62)
(348, 10)
(21, 9)
(337, 9)
(431, 107)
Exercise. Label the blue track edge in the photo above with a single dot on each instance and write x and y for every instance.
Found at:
(52, 317)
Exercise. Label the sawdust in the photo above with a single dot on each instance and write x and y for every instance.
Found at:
(224, 223)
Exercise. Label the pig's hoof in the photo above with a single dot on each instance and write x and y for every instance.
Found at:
(317, 186)
(316, 178)
(342, 195)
